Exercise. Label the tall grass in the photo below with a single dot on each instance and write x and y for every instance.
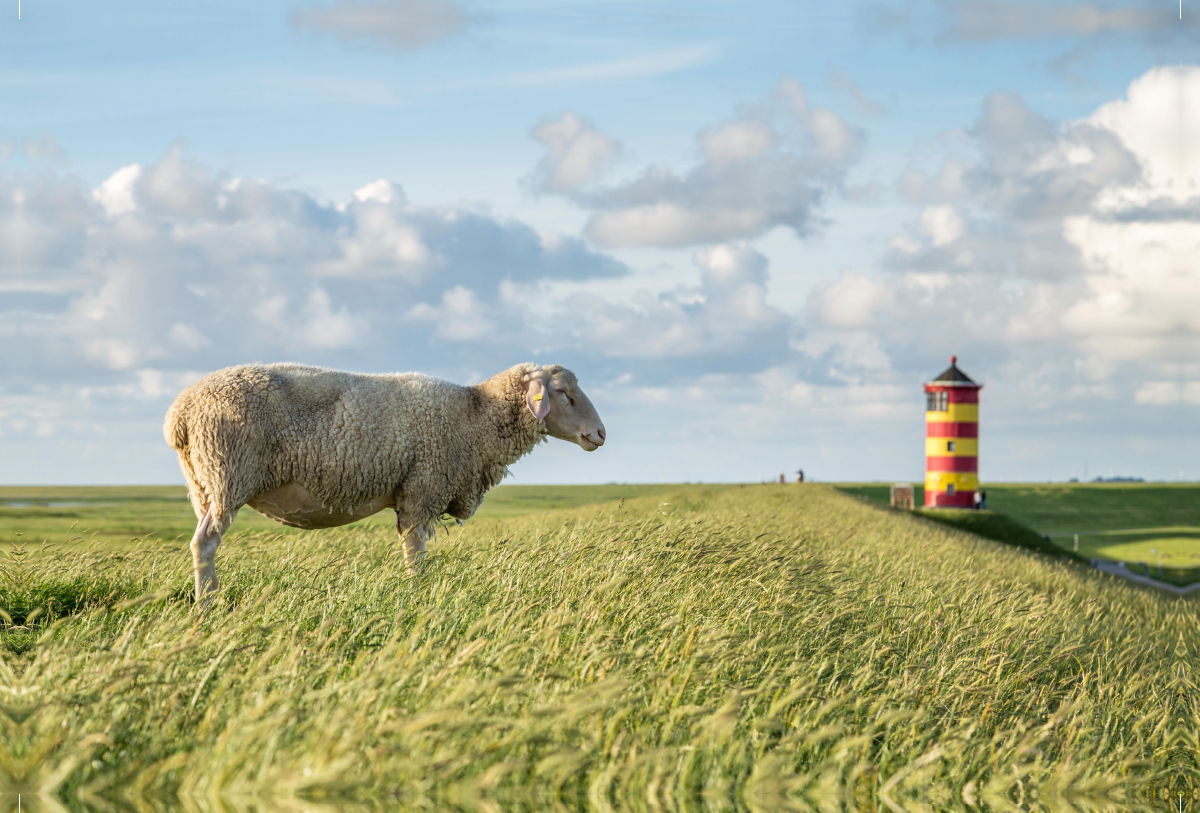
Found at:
(766, 648)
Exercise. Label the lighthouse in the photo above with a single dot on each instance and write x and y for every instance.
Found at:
(951, 439)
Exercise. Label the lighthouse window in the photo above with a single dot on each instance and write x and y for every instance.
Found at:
(937, 402)
(950, 489)
(949, 446)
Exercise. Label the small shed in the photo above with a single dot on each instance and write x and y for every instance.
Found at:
(902, 496)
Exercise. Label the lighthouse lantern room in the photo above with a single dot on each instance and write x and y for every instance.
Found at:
(951, 439)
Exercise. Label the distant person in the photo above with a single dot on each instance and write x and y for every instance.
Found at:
(782, 479)
(978, 500)
(982, 500)
(800, 476)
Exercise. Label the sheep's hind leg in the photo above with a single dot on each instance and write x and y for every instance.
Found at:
(204, 555)
(414, 536)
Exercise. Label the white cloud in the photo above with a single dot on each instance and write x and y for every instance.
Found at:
(948, 186)
(381, 191)
(984, 20)
(328, 329)
(1159, 121)
(762, 170)
(115, 354)
(43, 148)
(834, 138)
(1168, 393)
(380, 238)
(942, 223)
(723, 322)
(853, 301)
(1081, 28)
(576, 154)
(116, 193)
(668, 224)
(734, 141)
(400, 25)
(793, 95)
(460, 317)
(179, 187)
(187, 337)
(655, 63)
(864, 103)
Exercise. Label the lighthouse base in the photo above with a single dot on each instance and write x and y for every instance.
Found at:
(940, 499)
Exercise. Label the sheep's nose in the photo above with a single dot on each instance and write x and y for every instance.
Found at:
(600, 432)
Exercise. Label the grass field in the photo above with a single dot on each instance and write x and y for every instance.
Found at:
(1176, 546)
(763, 648)
(1133, 522)
(118, 516)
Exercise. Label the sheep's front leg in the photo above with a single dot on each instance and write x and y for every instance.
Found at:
(413, 535)
(204, 556)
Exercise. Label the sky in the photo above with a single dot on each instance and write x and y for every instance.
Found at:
(752, 229)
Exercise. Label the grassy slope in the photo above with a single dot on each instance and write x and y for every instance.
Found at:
(762, 644)
(1073, 507)
(993, 525)
(1063, 509)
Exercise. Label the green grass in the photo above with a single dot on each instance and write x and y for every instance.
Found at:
(756, 648)
(115, 517)
(1070, 507)
(1175, 551)
(1120, 521)
(992, 525)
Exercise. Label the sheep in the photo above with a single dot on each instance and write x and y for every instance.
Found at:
(318, 448)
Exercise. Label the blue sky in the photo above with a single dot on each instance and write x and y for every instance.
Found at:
(752, 229)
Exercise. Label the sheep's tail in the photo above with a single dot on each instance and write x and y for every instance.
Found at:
(175, 431)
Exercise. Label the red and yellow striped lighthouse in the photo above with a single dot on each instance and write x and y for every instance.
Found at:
(951, 439)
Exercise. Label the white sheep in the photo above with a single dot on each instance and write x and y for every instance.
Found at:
(317, 448)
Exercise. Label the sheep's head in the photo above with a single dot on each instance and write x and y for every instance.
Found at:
(552, 394)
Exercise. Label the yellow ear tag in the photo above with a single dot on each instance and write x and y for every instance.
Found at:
(537, 397)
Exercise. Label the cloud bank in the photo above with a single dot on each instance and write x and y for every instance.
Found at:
(1054, 257)
(1059, 255)
(113, 298)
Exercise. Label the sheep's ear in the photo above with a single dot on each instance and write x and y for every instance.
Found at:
(536, 398)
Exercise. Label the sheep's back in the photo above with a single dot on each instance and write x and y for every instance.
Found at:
(346, 437)
(350, 437)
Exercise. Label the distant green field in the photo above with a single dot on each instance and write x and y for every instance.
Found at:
(117, 515)
(1132, 522)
